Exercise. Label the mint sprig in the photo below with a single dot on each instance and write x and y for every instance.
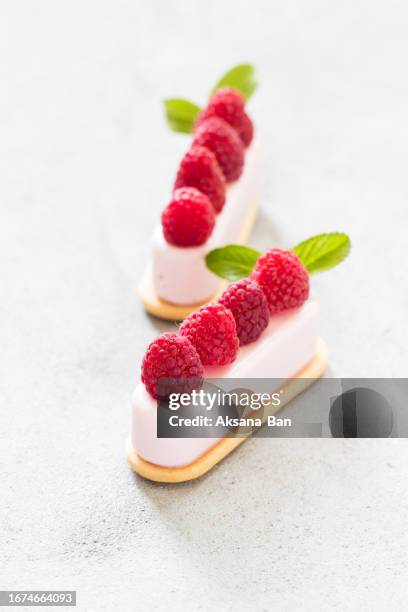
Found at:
(181, 114)
(323, 251)
(241, 78)
(232, 262)
(318, 253)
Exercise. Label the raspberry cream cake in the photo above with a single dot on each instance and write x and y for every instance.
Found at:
(265, 326)
(214, 202)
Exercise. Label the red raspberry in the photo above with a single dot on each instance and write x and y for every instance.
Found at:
(218, 136)
(229, 104)
(213, 332)
(189, 218)
(249, 306)
(199, 168)
(173, 357)
(283, 278)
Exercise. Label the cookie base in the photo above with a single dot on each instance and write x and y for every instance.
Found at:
(162, 309)
(299, 383)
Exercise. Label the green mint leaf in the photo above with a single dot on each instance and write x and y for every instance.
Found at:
(181, 114)
(323, 251)
(232, 261)
(241, 77)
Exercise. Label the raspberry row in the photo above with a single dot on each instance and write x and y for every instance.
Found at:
(222, 131)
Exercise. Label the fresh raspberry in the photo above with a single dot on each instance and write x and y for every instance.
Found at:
(229, 104)
(199, 169)
(249, 306)
(173, 357)
(283, 278)
(213, 332)
(218, 136)
(189, 218)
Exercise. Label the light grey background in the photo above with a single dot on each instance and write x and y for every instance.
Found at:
(86, 167)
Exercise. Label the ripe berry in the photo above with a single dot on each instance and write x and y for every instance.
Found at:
(283, 279)
(189, 218)
(249, 306)
(229, 104)
(213, 332)
(199, 169)
(173, 357)
(218, 136)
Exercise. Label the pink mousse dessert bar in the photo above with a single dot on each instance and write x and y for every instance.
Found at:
(265, 326)
(214, 202)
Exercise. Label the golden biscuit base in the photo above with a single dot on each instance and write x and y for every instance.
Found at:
(154, 305)
(303, 379)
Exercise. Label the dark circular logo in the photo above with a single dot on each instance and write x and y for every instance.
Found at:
(361, 413)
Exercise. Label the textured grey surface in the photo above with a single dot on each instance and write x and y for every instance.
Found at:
(86, 166)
